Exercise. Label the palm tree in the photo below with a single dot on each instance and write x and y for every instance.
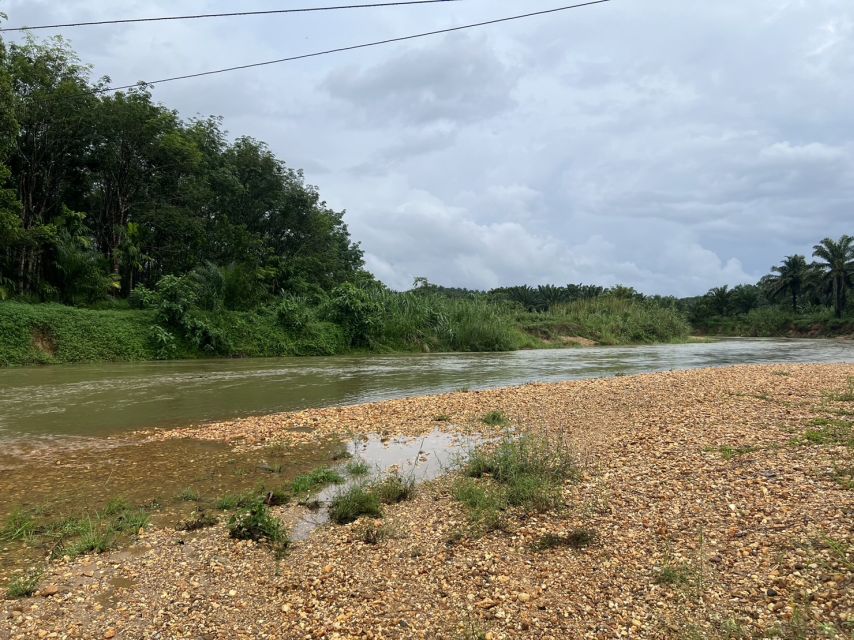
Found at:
(720, 299)
(836, 261)
(789, 277)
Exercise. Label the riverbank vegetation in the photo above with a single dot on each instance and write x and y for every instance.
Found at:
(129, 233)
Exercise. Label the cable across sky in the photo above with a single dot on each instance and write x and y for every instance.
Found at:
(233, 14)
(353, 47)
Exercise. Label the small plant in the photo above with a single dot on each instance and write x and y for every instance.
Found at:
(277, 449)
(673, 574)
(485, 504)
(575, 539)
(198, 519)
(24, 586)
(358, 468)
(393, 489)
(495, 419)
(442, 417)
(353, 503)
(257, 524)
(341, 452)
(20, 525)
(116, 506)
(130, 521)
(828, 431)
(372, 531)
(728, 453)
(189, 495)
(315, 480)
(271, 468)
(843, 476)
(92, 540)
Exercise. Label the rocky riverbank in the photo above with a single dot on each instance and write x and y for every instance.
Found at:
(708, 504)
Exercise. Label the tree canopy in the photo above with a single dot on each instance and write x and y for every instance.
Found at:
(101, 192)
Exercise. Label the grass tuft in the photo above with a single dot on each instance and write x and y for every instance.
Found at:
(576, 539)
(24, 586)
(358, 468)
(20, 525)
(189, 495)
(495, 419)
(317, 479)
(393, 489)
(353, 503)
(256, 523)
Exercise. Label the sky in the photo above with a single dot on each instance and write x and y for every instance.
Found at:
(668, 145)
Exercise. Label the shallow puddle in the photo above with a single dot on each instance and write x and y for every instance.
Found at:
(421, 459)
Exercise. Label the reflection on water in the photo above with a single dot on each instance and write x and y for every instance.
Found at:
(421, 459)
(94, 400)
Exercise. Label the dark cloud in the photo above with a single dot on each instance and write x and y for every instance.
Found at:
(668, 145)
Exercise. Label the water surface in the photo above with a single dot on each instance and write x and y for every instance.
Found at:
(101, 399)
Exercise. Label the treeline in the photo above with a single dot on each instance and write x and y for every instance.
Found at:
(797, 297)
(103, 192)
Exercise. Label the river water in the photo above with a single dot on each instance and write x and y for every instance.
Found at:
(107, 399)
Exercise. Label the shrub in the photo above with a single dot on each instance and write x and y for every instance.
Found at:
(24, 586)
(394, 489)
(257, 524)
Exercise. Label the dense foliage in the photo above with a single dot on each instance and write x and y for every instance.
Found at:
(797, 297)
(102, 192)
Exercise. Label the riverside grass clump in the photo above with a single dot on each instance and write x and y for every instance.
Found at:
(527, 473)
(73, 536)
(366, 498)
(610, 320)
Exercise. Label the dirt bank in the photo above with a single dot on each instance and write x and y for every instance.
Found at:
(720, 503)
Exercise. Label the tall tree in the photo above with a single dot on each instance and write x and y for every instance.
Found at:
(836, 261)
(789, 277)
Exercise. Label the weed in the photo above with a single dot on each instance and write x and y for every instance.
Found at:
(844, 396)
(353, 503)
(442, 417)
(92, 540)
(341, 452)
(828, 431)
(272, 497)
(728, 453)
(130, 521)
(20, 525)
(485, 503)
(495, 419)
(373, 531)
(674, 574)
(257, 524)
(470, 630)
(198, 519)
(393, 489)
(315, 480)
(843, 476)
(358, 468)
(189, 495)
(116, 506)
(277, 449)
(782, 374)
(575, 539)
(24, 586)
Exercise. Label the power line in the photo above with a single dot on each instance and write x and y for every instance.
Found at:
(229, 15)
(353, 47)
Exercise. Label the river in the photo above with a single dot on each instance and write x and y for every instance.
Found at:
(109, 399)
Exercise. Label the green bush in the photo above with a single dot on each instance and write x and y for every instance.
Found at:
(256, 523)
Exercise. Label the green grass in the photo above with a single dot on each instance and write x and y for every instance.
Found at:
(24, 586)
(527, 473)
(729, 453)
(198, 519)
(393, 489)
(358, 468)
(20, 525)
(575, 539)
(353, 503)
(189, 495)
(315, 480)
(495, 419)
(94, 539)
(828, 431)
(674, 574)
(256, 523)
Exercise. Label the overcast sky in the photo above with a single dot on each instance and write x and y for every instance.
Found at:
(670, 145)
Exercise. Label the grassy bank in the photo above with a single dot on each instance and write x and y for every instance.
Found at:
(775, 322)
(353, 321)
